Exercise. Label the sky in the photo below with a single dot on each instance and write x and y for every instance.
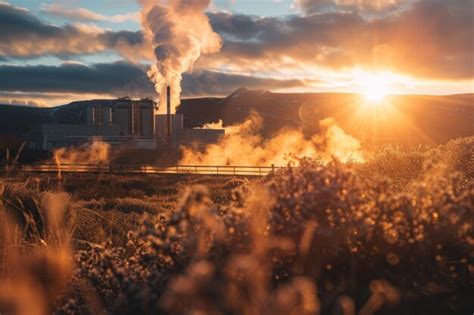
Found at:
(56, 51)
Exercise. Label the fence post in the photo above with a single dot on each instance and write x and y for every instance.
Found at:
(217, 167)
(273, 168)
(195, 169)
(234, 170)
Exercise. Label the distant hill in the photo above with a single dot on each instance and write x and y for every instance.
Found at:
(408, 119)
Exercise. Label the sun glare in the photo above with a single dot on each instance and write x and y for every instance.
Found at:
(374, 87)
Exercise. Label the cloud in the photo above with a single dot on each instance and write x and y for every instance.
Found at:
(370, 6)
(85, 15)
(203, 82)
(429, 39)
(23, 35)
(10, 99)
(47, 99)
(118, 78)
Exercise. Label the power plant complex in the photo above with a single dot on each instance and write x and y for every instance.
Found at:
(124, 123)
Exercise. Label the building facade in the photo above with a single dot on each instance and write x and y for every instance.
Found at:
(133, 117)
(161, 128)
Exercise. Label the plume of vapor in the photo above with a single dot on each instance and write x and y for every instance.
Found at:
(213, 125)
(243, 145)
(179, 32)
(95, 153)
(337, 143)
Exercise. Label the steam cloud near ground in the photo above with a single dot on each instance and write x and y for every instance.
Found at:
(242, 144)
(95, 153)
(179, 32)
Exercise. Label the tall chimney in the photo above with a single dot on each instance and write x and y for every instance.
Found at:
(168, 114)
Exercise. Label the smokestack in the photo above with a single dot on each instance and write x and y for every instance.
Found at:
(168, 114)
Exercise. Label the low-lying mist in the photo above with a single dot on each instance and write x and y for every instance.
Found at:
(96, 152)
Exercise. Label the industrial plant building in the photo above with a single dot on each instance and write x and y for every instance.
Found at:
(176, 129)
(124, 123)
(130, 117)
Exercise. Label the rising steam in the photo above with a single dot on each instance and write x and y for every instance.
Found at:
(179, 32)
(95, 153)
(243, 145)
(213, 125)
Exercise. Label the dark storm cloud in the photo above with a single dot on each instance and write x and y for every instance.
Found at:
(24, 35)
(219, 83)
(431, 39)
(119, 78)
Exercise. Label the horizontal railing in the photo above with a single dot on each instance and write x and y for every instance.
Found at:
(145, 169)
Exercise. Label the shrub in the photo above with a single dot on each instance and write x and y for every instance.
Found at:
(316, 239)
(310, 239)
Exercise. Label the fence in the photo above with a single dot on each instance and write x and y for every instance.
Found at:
(145, 169)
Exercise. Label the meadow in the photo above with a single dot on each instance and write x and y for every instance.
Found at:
(392, 235)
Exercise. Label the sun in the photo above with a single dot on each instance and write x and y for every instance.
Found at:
(375, 91)
(374, 87)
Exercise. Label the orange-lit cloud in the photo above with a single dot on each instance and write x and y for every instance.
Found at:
(426, 39)
(427, 44)
(47, 99)
(82, 14)
(23, 35)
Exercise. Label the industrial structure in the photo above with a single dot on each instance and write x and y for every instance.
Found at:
(133, 117)
(169, 128)
(124, 123)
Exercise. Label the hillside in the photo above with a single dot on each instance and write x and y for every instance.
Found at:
(407, 119)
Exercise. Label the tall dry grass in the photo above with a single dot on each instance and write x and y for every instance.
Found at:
(35, 254)
(392, 236)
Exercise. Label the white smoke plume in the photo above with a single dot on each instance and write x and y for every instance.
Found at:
(179, 32)
(243, 145)
(213, 125)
